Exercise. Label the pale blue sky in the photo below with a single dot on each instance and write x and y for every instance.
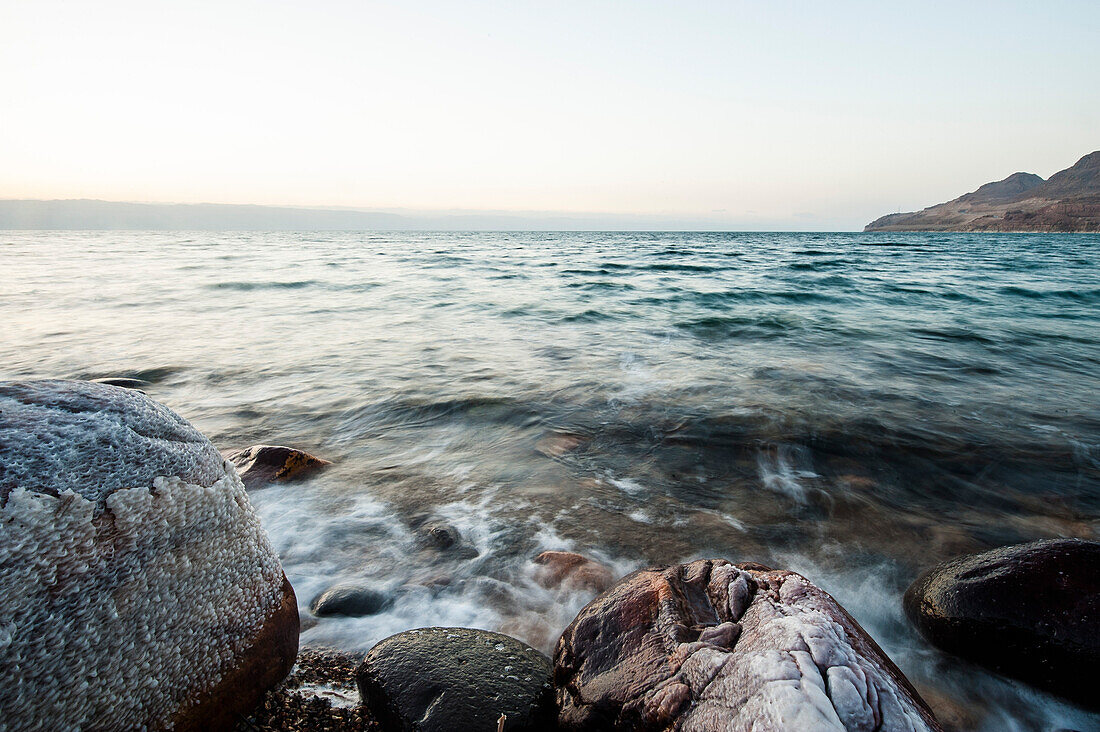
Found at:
(820, 115)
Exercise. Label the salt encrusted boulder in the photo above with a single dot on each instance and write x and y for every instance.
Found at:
(711, 646)
(262, 464)
(449, 679)
(571, 571)
(137, 588)
(1031, 611)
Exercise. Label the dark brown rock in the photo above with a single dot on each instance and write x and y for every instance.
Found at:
(262, 464)
(449, 679)
(571, 571)
(715, 646)
(1031, 611)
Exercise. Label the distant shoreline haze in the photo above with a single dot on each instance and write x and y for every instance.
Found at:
(1069, 201)
(97, 215)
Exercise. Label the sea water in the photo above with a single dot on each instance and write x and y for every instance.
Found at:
(856, 407)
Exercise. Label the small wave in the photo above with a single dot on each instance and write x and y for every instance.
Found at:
(816, 266)
(952, 334)
(588, 316)
(410, 413)
(939, 292)
(669, 267)
(600, 285)
(247, 286)
(605, 271)
(1077, 295)
(734, 326)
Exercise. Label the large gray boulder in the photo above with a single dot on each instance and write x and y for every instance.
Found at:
(711, 646)
(137, 588)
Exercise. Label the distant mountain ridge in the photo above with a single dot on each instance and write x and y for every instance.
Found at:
(1068, 201)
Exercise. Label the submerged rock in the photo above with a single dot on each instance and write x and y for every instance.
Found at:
(262, 464)
(557, 444)
(438, 535)
(1031, 611)
(446, 679)
(715, 646)
(130, 556)
(351, 600)
(571, 571)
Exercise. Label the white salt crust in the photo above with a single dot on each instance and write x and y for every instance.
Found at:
(123, 596)
(93, 439)
(787, 663)
(116, 623)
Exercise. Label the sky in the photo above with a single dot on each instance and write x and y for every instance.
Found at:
(797, 115)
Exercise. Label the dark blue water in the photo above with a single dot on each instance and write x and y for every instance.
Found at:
(853, 406)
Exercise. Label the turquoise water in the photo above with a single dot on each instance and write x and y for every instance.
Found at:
(854, 406)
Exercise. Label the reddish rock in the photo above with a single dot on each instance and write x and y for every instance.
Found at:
(570, 571)
(715, 646)
(262, 464)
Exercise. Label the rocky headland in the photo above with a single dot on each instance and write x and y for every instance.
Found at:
(1068, 201)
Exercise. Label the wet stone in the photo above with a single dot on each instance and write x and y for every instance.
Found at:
(1030, 611)
(438, 535)
(262, 464)
(350, 600)
(446, 679)
(129, 556)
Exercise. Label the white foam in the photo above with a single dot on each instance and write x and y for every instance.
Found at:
(779, 474)
(628, 486)
(325, 541)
